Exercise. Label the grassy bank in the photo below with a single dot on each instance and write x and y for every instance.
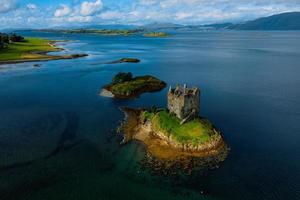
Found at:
(31, 48)
(197, 131)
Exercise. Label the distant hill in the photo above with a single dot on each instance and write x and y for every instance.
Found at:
(179, 27)
(284, 21)
(161, 26)
(110, 26)
(218, 26)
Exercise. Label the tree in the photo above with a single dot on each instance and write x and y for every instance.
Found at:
(16, 38)
(122, 77)
(4, 38)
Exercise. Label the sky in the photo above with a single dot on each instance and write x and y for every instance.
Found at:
(55, 13)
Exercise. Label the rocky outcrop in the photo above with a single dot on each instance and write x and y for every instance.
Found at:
(125, 60)
(165, 151)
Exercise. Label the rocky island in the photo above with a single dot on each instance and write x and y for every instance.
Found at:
(125, 86)
(176, 136)
(16, 49)
(125, 60)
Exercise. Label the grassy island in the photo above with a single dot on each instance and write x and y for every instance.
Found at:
(157, 34)
(171, 144)
(31, 49)
(197, 131)
(124, 85)
(108, 32)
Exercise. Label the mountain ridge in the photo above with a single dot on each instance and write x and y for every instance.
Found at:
(283, 21)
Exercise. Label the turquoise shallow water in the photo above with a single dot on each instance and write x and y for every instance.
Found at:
(57, 134)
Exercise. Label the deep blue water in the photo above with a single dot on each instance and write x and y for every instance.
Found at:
(57, 138)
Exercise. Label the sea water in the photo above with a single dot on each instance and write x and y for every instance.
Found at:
(58, 137)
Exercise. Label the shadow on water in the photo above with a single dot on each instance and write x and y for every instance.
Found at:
(52, 170)
(67, 136)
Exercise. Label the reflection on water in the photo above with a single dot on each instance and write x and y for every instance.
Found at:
(57, 135)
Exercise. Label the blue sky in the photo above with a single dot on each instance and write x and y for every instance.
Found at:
(50, 13)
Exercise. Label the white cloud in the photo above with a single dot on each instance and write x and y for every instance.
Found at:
(109, 15)
(183, 15)
(90, 8)
(8, 5)
(139, 11)
(31, 6)
(62, 11)
(80, 19)
(147, 2)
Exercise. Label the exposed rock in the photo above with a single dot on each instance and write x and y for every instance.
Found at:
(166, 155)
(106, 93)
(125, 60)
(37, 65)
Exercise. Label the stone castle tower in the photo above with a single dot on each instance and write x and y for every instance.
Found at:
(184, 102)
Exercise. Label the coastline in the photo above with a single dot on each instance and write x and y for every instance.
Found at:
(66, 57)
(106, 93)
(165, 152)
(43, 55)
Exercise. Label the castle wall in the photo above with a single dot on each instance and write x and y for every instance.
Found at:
(191, 102)
(183, 105)
(175, 104)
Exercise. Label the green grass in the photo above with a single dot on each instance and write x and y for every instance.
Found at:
(22, 50)
(156, 34)
(196, 132)
(136, 84)
(147, 115)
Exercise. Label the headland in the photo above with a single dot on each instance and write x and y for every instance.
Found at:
(32, 50)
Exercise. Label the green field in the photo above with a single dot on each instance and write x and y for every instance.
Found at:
(137, 84)
(26, 50)
(197, 131)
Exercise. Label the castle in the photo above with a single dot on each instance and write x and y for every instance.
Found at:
(184, 102)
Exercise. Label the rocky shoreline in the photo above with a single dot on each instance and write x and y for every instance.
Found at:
(165, 154)
(106, 93)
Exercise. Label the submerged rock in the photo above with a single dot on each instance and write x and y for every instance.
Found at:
(78, 55)
(125, 60)
(37, 65)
